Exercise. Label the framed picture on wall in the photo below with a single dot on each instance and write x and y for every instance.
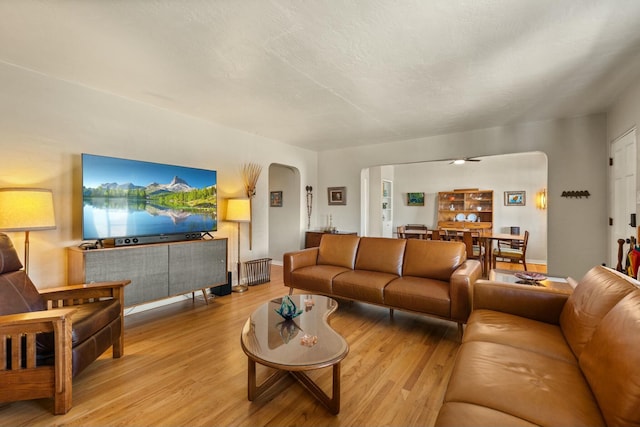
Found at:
(276, 199)
(415, 199)
(514, 198)
(337, 195)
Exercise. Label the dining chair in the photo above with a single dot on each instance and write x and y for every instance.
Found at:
(511, 251)
(415, 231)
(401, 232)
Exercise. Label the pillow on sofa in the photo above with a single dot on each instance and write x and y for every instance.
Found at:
(598, 291)
(380, 254)
(338, 249)
(610, 363)
(433, 259)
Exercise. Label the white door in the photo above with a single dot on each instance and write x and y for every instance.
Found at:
(623, 203)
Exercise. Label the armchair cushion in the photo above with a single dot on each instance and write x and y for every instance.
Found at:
(9, 260)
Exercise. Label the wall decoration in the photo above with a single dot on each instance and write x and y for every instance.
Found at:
(250, 175)
(578, 194)
(309, 204)
(415, 199)
(515, 198)
(276, 199)
(337, 195)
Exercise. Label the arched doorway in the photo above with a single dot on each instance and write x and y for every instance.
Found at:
(284, 210)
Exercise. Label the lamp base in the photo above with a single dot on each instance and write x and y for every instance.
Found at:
(240, 288)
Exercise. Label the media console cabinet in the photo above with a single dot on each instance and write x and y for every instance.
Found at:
(156, 271)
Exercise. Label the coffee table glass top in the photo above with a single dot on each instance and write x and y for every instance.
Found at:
(509, 276)
(306, 342)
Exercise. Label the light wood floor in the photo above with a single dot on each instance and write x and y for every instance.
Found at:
(183, 366)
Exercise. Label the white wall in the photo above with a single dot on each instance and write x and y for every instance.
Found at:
(576, 152)
(45, 124)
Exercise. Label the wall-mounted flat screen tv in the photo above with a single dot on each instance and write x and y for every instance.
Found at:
(130, 198)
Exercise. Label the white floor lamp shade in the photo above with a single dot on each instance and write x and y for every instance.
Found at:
(26, 209)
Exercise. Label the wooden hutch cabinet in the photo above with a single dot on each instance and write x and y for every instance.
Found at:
(466, 208)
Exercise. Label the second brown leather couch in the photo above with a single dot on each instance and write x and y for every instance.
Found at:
(424, 276)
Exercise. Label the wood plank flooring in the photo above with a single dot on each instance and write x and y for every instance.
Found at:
(183, 366)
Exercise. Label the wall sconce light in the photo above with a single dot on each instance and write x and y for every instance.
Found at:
(541, 199)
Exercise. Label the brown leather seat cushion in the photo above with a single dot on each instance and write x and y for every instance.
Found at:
(90, 318)
(520, 332)
(317, 278)
(362, 285)
(419, 294)
(539, 389)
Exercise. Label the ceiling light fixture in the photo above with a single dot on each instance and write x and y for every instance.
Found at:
(459, 161)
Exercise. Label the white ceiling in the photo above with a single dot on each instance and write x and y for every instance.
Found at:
(334, 73)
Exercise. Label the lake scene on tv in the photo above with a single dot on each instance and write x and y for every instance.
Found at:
(126, 198)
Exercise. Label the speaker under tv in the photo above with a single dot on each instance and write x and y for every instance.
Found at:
(224, 289)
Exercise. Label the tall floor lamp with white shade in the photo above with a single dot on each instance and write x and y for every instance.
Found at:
(26, 209)
(238, 210)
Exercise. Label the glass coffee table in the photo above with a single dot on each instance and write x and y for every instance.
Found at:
(511, 276)
(303, 343)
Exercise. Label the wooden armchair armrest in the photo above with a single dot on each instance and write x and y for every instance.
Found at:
(29, 325)
(78, 294)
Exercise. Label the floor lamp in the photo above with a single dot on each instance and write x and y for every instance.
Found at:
(238, 210)
(26, 209)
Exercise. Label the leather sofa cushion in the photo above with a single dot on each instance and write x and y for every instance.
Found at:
(317, 278)
(91, 317)
(362, 285)
(611, 363)
(599, 290)
(527, 334)
(539, 389)
(380, 254)
(433, 259)
(9, 260)
(338, 249)
(419, 294)
(459, 414)
(18, 294)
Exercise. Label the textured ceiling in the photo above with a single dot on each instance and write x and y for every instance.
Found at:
(334, 73)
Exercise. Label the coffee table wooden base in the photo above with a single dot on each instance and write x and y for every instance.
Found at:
(331, 403)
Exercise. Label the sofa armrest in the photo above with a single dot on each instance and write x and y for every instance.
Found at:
(461, 282)
(532, 302)
(298, 259)
(77, 294)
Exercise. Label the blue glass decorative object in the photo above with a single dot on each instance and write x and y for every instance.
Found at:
(288, 309)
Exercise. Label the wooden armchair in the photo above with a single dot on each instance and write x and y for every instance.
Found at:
(49, 336)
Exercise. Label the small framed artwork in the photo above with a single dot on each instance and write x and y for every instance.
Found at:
(337, 195)
(415, 199)
(276, 199)
(514, 198)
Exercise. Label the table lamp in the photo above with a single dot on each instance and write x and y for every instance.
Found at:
(238, 210)
(26, 209)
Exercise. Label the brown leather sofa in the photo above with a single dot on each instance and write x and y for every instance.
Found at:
(423, 276)
(534, 357)
(49, 336)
